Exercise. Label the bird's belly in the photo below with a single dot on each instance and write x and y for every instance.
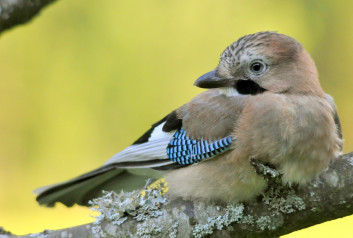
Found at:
(218, 179)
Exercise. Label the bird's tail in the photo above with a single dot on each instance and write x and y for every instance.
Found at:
(88, 186)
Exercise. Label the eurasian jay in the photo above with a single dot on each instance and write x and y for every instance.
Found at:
(264, 100)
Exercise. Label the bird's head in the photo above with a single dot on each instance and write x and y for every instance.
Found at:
(264, 61)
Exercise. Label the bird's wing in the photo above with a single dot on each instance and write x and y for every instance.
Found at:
(336, 117)
(185, 150)
(149, 151)
(194, 132)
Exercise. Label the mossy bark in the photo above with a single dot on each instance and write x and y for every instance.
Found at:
(281, 210)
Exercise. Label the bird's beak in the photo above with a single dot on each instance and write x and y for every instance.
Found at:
(212, 80)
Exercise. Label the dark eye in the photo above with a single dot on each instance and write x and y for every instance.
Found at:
(257, 67)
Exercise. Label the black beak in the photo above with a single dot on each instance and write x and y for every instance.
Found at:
(212, 80)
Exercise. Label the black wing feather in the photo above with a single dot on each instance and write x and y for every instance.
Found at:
(172, 122)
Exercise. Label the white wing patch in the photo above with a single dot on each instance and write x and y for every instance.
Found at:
(154, 148)
(159, 134)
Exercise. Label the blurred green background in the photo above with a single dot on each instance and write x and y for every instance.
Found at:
(86, 78)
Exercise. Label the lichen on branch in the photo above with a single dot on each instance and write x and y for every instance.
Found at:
(280, 210)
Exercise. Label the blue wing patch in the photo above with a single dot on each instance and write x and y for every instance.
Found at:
(184, 150)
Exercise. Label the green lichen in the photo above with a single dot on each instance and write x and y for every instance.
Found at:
(268, 171)
(152, 215)
(148, 229)
(271, 175)
(265, 223)
(248, 219)
(173, 230)
(232, 213)
(201, 230)
(115, 209)
(280, 201)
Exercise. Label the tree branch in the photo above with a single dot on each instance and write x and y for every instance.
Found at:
(280, 210)
(15, 12)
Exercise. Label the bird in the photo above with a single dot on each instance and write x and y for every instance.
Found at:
(263, 101)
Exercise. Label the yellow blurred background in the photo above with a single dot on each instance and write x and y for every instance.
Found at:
(86, 78)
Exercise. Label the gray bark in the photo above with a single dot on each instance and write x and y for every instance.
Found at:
(15, 12)
(281, 210)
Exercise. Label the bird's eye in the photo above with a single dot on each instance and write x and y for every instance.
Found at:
(257, 67)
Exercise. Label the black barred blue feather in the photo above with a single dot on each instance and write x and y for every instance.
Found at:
(184, 150)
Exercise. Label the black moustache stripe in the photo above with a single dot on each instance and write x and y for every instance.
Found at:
(248, 87)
